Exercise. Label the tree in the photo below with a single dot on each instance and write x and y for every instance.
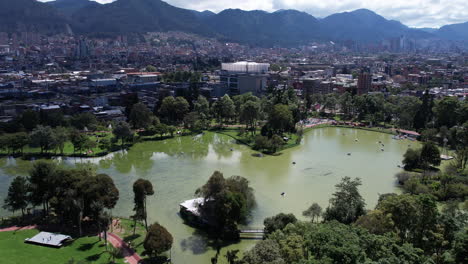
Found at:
(60, 138)
(202, 107)
(84, 120)
(425, 113)
(167, 109)
(192, 122)
(446, 111)
(160, 129)
(78, 140)
(414, 217)
(376, 221)
(141, 189)
(226, 203)
(150, 68)
(17, 141)
(346, 103)
(29, 119)
(430, 155)
(406, 109)
(411, 159)
(140, 116)
(275, 143)
(224, 109)
(313, 212)
(249, 113)
(43, 137)
(278, 222)
(280, 119)
(262, 143)
(157, 240)
(347, 203)
(231, 256)
(265, 251)
(40, 178)
(460, 247)
(17, 197)
(173, 110)
(123, 132)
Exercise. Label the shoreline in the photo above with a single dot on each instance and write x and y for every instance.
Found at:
(30, 156)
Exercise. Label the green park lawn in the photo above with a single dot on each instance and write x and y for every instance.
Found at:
(15, 251)
(249, 140)
(68, 148)
(126, 233)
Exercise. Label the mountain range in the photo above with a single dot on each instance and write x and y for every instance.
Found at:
(283, 27)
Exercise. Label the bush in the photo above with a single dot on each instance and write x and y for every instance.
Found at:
(278, 222)
(402, 177)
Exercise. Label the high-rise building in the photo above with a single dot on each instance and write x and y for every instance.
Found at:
(364, 83)
(243, 77)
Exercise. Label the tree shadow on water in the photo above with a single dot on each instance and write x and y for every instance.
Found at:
(154, 260)
(200, 242)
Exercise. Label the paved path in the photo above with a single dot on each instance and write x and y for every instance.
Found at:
(131, 256)
(17, 228)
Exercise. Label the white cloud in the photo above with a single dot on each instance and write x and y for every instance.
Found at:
(416, 13)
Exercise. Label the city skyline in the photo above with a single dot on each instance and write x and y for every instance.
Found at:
(419, 13)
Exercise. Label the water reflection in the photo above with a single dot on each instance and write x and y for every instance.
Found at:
(178, 166)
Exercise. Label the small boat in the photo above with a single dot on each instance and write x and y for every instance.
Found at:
(283, 194)
(294, 163)
(356, 140)
(349, 154)
(382, 149)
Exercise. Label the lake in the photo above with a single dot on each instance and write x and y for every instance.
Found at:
(177, 167)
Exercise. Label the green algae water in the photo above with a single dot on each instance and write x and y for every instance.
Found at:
(177, 167)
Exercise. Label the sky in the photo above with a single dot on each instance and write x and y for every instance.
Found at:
(413, 13)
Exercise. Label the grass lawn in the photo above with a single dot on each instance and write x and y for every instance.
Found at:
(249, 140)
(126, 233)
(15, 251)
(68, 147)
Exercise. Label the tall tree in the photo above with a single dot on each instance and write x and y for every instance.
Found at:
(40, 178)
(60, 138)
(140, 116)
(249, 114)
(446, 111)
(430, 155)
(141, 189)
(157, 240)
(280, 119)
(17, 197)
(123, 132)
(84, 120)
(313, 212)
(347, 203)
(43, 137)
(425, 113)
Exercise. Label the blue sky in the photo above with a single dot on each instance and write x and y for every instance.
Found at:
(415, 13)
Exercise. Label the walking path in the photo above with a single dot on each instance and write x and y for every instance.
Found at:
(17, 228)
(131, 256)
